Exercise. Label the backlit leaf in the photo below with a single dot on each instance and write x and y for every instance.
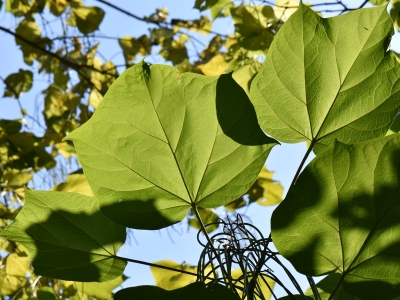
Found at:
(86, 18)
(215, 6)
(68, 237)
(75, 183)
(342, 216)
(170, 280)
(264, 287)
(46, 293)
(348, 88)
(99, 290)
(18, 83)
(207, 215)
(194, 291)
(167, 137)
(13, 274)
(283, 9)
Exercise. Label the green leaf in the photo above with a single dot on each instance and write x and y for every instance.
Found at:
(46, 293)
(342, 216)
(349, 93)
(13, 274)
(99, 290)
(283, 9)
(28, 29)
(18, 83)
(75, 183)
(251, 27)
(264, 288)
(194, 291)
(215, 6)
(265, 191)
(327, 285)
(395, 13)
(378, 2)
(158, 141)
(68, 237)
(208, 216)
(86, 18)
(170, 280)
(132, 47)
(395, 127)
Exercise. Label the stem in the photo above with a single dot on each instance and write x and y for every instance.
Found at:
(153, 265)
(296, 176)
(336, 287)
(313, 288)
(203, 227)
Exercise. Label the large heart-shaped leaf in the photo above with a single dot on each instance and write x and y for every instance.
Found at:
(343, 216)
(194, 291)
(327, 79)
(160, 143)
(68, 237)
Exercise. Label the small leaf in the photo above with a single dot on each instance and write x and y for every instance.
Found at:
(13, 275)
(207, 215)
(170, 280)
(86, 18)
(349, 93)
(215, 66)
(215, 6)
(194, 291)
(283, 9)
(99, 290)
(171, 136)
(395, 13)
(342, 216)
(68, 237)
(18, 83)
(95, 98)
(132, 47)
(264, 287)
(265, 191)
(75, 183)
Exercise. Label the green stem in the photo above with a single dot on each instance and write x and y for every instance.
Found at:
(337, 286)
(153, 265)
(203, 227)
(296, 176)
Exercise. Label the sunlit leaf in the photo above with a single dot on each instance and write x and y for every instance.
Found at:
(95, 98)
(68, 237)
(57, 7)
(215, 6)
(349, 93)
(395, 13)
(378, 2)
(86, 18)
(99, 290)
(194, 291)
(28, 29)
(395, 127)
(15, 178)
(13, 275)
(170, 280)
(207, 215)
(251, 26)
(265, 191)
(264, 287)
(132, 47)
(171, 136)
(75, 183)
(342, 216)
(283, 9)
(216, 66)
(18, 83)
